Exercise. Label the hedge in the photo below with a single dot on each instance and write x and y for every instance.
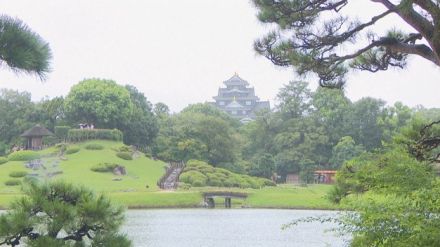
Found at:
(199, 173)
(13, 182)
(124, 155)
(62, 132)
(23, 155)
(94, 146)
(78, 135)
(17, 174)
(3, 160)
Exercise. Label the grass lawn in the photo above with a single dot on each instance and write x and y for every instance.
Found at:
(138, 188)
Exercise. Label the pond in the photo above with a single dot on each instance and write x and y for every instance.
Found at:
(227, 227)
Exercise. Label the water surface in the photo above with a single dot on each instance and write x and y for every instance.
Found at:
(227, 227)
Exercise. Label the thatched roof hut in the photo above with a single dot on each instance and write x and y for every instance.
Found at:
(35, 136)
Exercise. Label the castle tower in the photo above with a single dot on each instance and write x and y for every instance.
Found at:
(239, 100)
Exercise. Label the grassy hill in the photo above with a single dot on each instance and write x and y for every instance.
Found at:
(142, 172)
(138, 189)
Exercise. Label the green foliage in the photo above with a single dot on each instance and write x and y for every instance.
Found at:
(104, 167)
(390, 220)
(72, 149)
(345, 150)
(304, 36)
(3, 160)
(124, 148)
(16, 109)
(100, 102)
(125, 155)
(23, 155)
(76, 212)
(198, 132)
(78, 135)
(393, 171)
(142, 127)
(12, 182)
(23, 50)
(263, 166)
(199, 173)
(17, 174)
(94, 146)
(62, 132)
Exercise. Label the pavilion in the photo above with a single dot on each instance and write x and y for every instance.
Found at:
(34, 137)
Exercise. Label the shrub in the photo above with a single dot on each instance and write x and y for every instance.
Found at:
(199, 173)
(124, 155)
(23, 155)
(191, 177)
(62, 147)
(72, 149)
(3, 160)
(62, 131)
(18, 174)
(125, 149)
(77, 135)
(184, 186)
(104, 167)
(94, 146)
(13, 182)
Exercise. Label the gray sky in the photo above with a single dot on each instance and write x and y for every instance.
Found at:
(180, 51)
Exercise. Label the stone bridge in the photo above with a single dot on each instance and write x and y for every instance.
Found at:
(228, 195)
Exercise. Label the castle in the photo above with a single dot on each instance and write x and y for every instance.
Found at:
(239, 100)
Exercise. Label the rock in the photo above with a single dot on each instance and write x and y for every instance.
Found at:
(34, 164)
(117, 179)
(119, 171)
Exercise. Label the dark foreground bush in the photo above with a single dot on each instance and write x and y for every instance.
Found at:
(81, 218)
(124, 155)
(18, 174)
(23, 155)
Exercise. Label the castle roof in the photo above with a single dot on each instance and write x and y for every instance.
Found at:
(234, 104)
(235, 80)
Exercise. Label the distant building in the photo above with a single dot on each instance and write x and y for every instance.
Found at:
(239, 100)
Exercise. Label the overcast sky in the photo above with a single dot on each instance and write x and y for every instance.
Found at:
(180, 51)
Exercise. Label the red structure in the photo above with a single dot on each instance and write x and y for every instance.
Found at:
(325, 176)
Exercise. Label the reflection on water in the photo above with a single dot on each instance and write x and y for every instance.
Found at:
(223, 227)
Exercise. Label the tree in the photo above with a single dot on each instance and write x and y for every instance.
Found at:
(317, 37)
(345, 150)
(262, 166)
(52, 111)
(16, 110)
(100, 102)
(295, 99)
(365, 127)
(61, 215)
(160, 109)
(21, 49)
(141, 127)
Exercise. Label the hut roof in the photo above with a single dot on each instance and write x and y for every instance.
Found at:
(37, 130)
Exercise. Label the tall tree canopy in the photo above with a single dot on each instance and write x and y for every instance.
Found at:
(21, 49)
(100, 102)
(320, 37)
